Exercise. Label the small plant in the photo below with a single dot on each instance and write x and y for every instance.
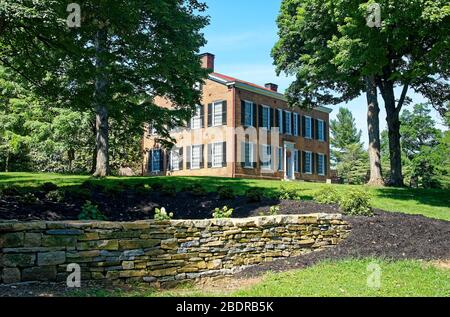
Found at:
(48, 187)
(254, 195)
(10, 191)
(226, 192)
(198, 191)
(225, 212)
(162, 214)
(289, 193)
(274, 210)
(327, 195)
(356, 202)
(169, 190)
(55, 195)
(90, 211)
(29, 198)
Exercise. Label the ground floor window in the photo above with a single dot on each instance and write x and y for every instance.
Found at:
(217, 154)
(296, 158)
(308, 162)
(321, 164)
(280, 158)
(266, 157)
(175, 160)
(248, 155)
(196, 153)
(156, 160)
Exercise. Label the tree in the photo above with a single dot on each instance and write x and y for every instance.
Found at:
(353, 165)
(343, 133)
(124, 54)
(306, 29)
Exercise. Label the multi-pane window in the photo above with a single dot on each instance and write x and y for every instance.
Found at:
(321, 130)
(196, 153)
(308, 127)
(175, 160)
(321, 164)
(248, 113)
(266, 117)
(156, 160)
(217, 113)
(296, 158)
(308, 162)
(295, 124)
(280, 158)
(266, 157)
(280, 120)
(248, 155)
(196, 121)
(288, 120)
(217, 154)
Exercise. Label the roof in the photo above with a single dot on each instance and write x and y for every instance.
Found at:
(228, 80)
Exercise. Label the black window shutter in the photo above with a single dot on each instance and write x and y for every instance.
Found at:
(202, 116)
(303, 162)
(209, 155)
(283, 115)
(224, 154)
(299, 161)
(292, 123)
(325, 131)
(188, 124)
(202, 156)
(298, 124)
(313, 163)
(161, 160)
(255, 113)
(180, 158)
(271, 118)
(277, 119)
(224, 112)
(242, 154)
(303, 126)
(243, 113)
(188, 157)
(260, 115)
(314, 129)
(255, 155)
(210, 113)
(325, 164)
(150, 160)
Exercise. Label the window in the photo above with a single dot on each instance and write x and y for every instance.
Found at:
(295, 124)
(217, 113)
(196, 121)
(196, 153)
(308, 128)
(175, 160)
(156, 160)
(248, 155)
(321, 130)
(280, 158)
(266, 157)
(296, 157)
(280, 120)
(266, 117)
(321, 164)
(288, 120)
(248, 114)
(308, 162)
(217, 154)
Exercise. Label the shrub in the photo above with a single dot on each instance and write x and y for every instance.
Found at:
(226, 192)
(29, 198)
(142, 189)
(10, 191)
(223, 213)
(157, 187)
(48, 187)
(356, 202)
(91, 212)
(162, 214)
(274, 210)
(254, 194)
(55, 195)
(327, 195)
(169, 190)
(78, 193)
(289, 193)
(198, 191)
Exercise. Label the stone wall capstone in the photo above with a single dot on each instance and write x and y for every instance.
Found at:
(158, 251)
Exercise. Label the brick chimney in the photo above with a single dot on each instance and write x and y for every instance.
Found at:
(207, 60)
(271, 86)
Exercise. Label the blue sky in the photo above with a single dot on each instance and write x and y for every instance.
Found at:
(242, 33)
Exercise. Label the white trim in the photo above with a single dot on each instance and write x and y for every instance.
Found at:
(198, 116)
(177, 168)
(213, 114)
(199, 158)
(213, 154)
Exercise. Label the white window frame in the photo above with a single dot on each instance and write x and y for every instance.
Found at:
(321, 129)
(218, 115)
(173, 153)
(268, 152)
(267, 110)
(308, 119)
(296, 160)
(280, 121)
(199, 157)
(250, 104)
(295, 127)
(288, 120)
(196, 121)
(214, 163)
(250, 154)
(158, 162)
(280, 158)
(321, 164)
(308, 153)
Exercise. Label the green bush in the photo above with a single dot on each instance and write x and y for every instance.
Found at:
(289, 193)
(55, 195)
(225, 212)
(48, 187)
(10, 190)
(169, 190)
(162, 214)
(327, 195)
(356, 202)
(274, 210)
(157, 187)
(198, 191)
(91, 212)
(226, 192)
(29, 198)
(254, 194)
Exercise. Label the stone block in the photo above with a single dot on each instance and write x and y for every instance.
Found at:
(59, 241)
(39, 273)
(32, 239)
(51, 258)
(10, 275)
(18, 259)
(12, 240)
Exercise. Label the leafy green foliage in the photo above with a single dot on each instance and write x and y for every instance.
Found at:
(289, 193)
(356, 202)
(29, 198)
(198, 191)
(48, 186)
(327, 195)
(55, 195)
(225, 212)
(254, 194)
(90, 211)
(274, 210)
(226, 192)
(169, 190)
(162, 214)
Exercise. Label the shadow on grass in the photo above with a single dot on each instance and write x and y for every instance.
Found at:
(431, 197)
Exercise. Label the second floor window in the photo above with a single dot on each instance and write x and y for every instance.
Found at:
(321, 130)
(308, 127)
(280, 120)
(248, 112)
(295, 124)
(217, 113)
(308, 163)
(266, 117)
(196, 121)
(196, 153)
(288, 121)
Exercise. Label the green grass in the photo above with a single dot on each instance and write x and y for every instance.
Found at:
(433, 203)
(347, 278)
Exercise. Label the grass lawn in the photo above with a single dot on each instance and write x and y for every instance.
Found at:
(433, 203)
(344, 278)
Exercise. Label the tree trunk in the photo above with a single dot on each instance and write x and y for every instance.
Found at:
(7, 162)
(101, 110)
(373, 125)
